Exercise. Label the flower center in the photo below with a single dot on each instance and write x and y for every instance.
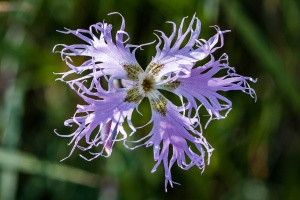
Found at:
(146, 83)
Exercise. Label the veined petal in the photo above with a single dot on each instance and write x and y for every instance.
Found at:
(173, 57)
(172, 131)
(103, 53)
(106, 112)
(203, 86)
(176, 58)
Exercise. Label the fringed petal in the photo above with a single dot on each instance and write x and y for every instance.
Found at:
(203, 86)
(173, 130)
(178, 58)
(106, 112)
(102, 52)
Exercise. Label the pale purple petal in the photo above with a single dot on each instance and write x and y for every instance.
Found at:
(203, 86)
(103, 54)
(105, 110)
(178, 58)
(174, 57)
(175, 133)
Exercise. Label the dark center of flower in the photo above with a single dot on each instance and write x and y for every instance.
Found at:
(148, 84)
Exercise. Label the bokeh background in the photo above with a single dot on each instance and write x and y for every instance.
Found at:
(257, 147)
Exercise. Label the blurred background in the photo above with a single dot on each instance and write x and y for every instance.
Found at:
(257, 147)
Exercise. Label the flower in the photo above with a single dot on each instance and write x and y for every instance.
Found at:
(114, 84)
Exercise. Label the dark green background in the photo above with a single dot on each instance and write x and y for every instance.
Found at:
(257, 147)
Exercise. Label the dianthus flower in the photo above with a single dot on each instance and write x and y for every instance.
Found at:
(113, 84)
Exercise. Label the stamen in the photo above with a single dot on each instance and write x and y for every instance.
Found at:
(148, 84)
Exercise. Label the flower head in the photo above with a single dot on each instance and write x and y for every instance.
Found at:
(114, 84)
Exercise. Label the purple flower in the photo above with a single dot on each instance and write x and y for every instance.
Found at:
(113, 84)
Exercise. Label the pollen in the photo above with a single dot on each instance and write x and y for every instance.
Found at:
(133, 95)
(171, 85)
(132, 71)
(159, 104)
(154, 68)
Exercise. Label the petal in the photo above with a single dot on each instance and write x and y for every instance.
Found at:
(172, 130)
(104, 54)
(171, 56)
(174, 57)
(203, 86)
(106, 112)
